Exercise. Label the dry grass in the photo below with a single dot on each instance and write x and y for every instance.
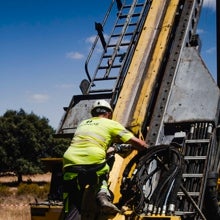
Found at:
(15, 213)
(17, 207)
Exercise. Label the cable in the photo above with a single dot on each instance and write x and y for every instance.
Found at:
(137, 189)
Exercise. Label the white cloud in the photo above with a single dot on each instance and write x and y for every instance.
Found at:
(39, 98)
(211, 50)
(91, 39)
(210, 4)
(200, 31)
(74, 55)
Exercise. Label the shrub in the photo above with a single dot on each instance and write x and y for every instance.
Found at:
(4, 191)
(33, 189)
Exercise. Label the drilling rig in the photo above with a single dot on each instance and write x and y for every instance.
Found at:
(151, 72)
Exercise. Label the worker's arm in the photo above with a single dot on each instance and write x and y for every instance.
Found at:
(137, 143)
(132, 143)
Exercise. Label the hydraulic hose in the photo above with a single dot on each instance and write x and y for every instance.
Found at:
(161, 191)
(165, 192)
(133, 187)
(175, 189)
(168, 179)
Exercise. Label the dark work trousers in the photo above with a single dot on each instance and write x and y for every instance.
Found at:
(75, 190)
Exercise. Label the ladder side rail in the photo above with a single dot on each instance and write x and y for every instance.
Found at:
(208, 163)
(204, 179)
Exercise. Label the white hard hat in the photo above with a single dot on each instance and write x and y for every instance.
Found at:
(101, 106)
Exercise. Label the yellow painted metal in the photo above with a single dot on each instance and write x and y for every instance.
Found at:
(46, 212)
(134, 80)
(159, 217)
(155, 217)
(154, 67)
(135, 95)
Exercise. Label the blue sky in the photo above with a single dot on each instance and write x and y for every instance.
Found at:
(44, 45)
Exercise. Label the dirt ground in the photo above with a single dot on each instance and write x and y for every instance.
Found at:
(34, 178)
(13, 208)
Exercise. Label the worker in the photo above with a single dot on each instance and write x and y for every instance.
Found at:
(84, 162)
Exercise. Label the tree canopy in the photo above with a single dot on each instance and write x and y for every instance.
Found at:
(24, 140)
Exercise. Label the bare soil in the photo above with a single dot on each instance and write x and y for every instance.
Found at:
(17, 208)
(34, 178)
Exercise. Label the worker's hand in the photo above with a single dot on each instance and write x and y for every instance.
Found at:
(138, 144)
(121, 148)
(146, 145)
(111, 150)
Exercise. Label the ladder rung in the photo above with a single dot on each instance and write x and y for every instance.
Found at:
(195, 157)
(191, 175)
(126, 34)
(197, 141)
(100, 90)
(105, 78)
(110, 55)
(183, 213)
(137, 5)
(122, 44)
(190, 193)
(126, 15)
(106, 67)
(122, 25)
(126, 6)
(107, 56)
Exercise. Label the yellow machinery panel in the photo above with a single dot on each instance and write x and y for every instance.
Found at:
(46, 212)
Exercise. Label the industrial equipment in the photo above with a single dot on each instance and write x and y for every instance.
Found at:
(151, 72)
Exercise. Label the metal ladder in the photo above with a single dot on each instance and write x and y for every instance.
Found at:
(118, 50)
(196, 156)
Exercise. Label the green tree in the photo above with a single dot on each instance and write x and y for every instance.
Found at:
(24, 140)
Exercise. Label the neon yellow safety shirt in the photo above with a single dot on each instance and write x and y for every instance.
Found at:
(92, 139)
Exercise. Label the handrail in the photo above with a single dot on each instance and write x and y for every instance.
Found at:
(96, 41)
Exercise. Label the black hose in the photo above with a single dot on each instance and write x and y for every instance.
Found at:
(178, 179)
(168, 160)
(168, 179)
(161, 189)
(166, 190)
